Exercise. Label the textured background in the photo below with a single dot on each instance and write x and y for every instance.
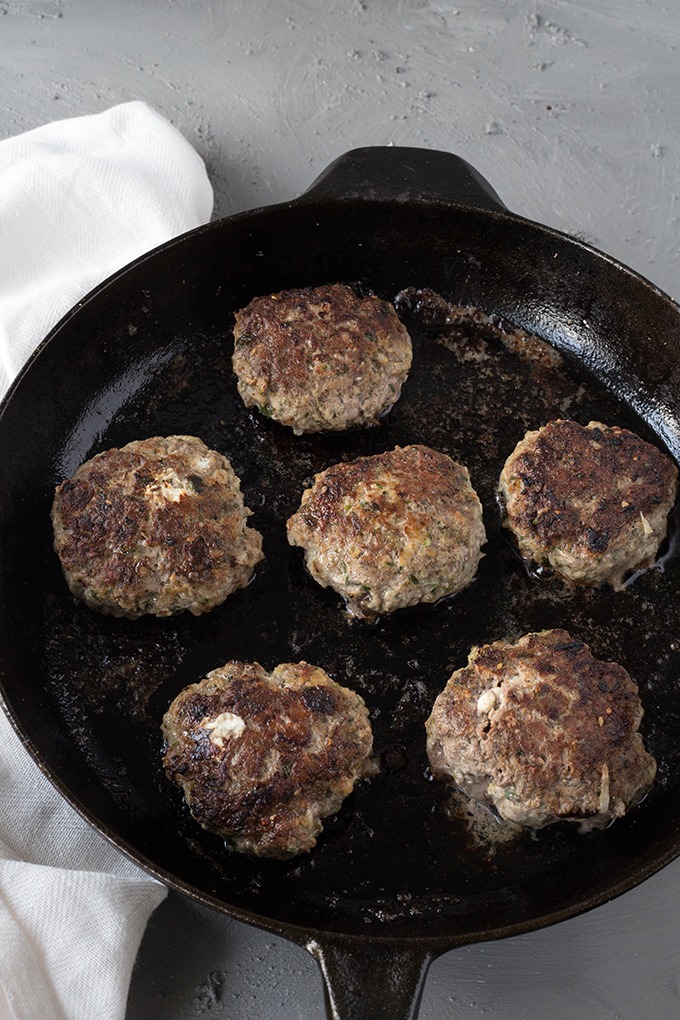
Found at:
(570, 109)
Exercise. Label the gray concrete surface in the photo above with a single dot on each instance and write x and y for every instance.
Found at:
(570, 109)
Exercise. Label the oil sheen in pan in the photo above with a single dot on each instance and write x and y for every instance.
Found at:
(398, 849)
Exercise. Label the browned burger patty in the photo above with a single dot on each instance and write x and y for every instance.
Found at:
(156, 527)
(543, 732)
(591, 502)
(264, 757)
(391, 530)
(320, 358)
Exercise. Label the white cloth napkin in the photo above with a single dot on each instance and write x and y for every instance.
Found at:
(78, 199)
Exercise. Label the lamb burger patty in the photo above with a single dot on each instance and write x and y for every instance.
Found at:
(263, 757)
(543, 732)
(391, 530)
(320, 358)
(157, 526)
(590, 502)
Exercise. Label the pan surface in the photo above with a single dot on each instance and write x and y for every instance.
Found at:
(148, 353)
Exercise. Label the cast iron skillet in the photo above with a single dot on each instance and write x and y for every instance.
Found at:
(400, 875)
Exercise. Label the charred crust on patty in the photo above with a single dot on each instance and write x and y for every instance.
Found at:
(157, 526)
(320, 358)
(543, 731)
(292, 745)
(391, 530)
(589, 501)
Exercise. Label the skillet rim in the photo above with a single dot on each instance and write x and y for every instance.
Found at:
(312, 194)
(298, 933)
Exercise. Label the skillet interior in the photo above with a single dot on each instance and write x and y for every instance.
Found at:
(149, 354)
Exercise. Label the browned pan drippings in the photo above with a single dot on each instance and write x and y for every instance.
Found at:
(397, 851)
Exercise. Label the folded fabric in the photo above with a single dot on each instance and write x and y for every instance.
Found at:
(78, 199)
(69, 939)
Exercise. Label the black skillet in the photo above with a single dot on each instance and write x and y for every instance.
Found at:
(400, 875)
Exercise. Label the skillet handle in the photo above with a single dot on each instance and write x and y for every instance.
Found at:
(404, 173)
(369, 981)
